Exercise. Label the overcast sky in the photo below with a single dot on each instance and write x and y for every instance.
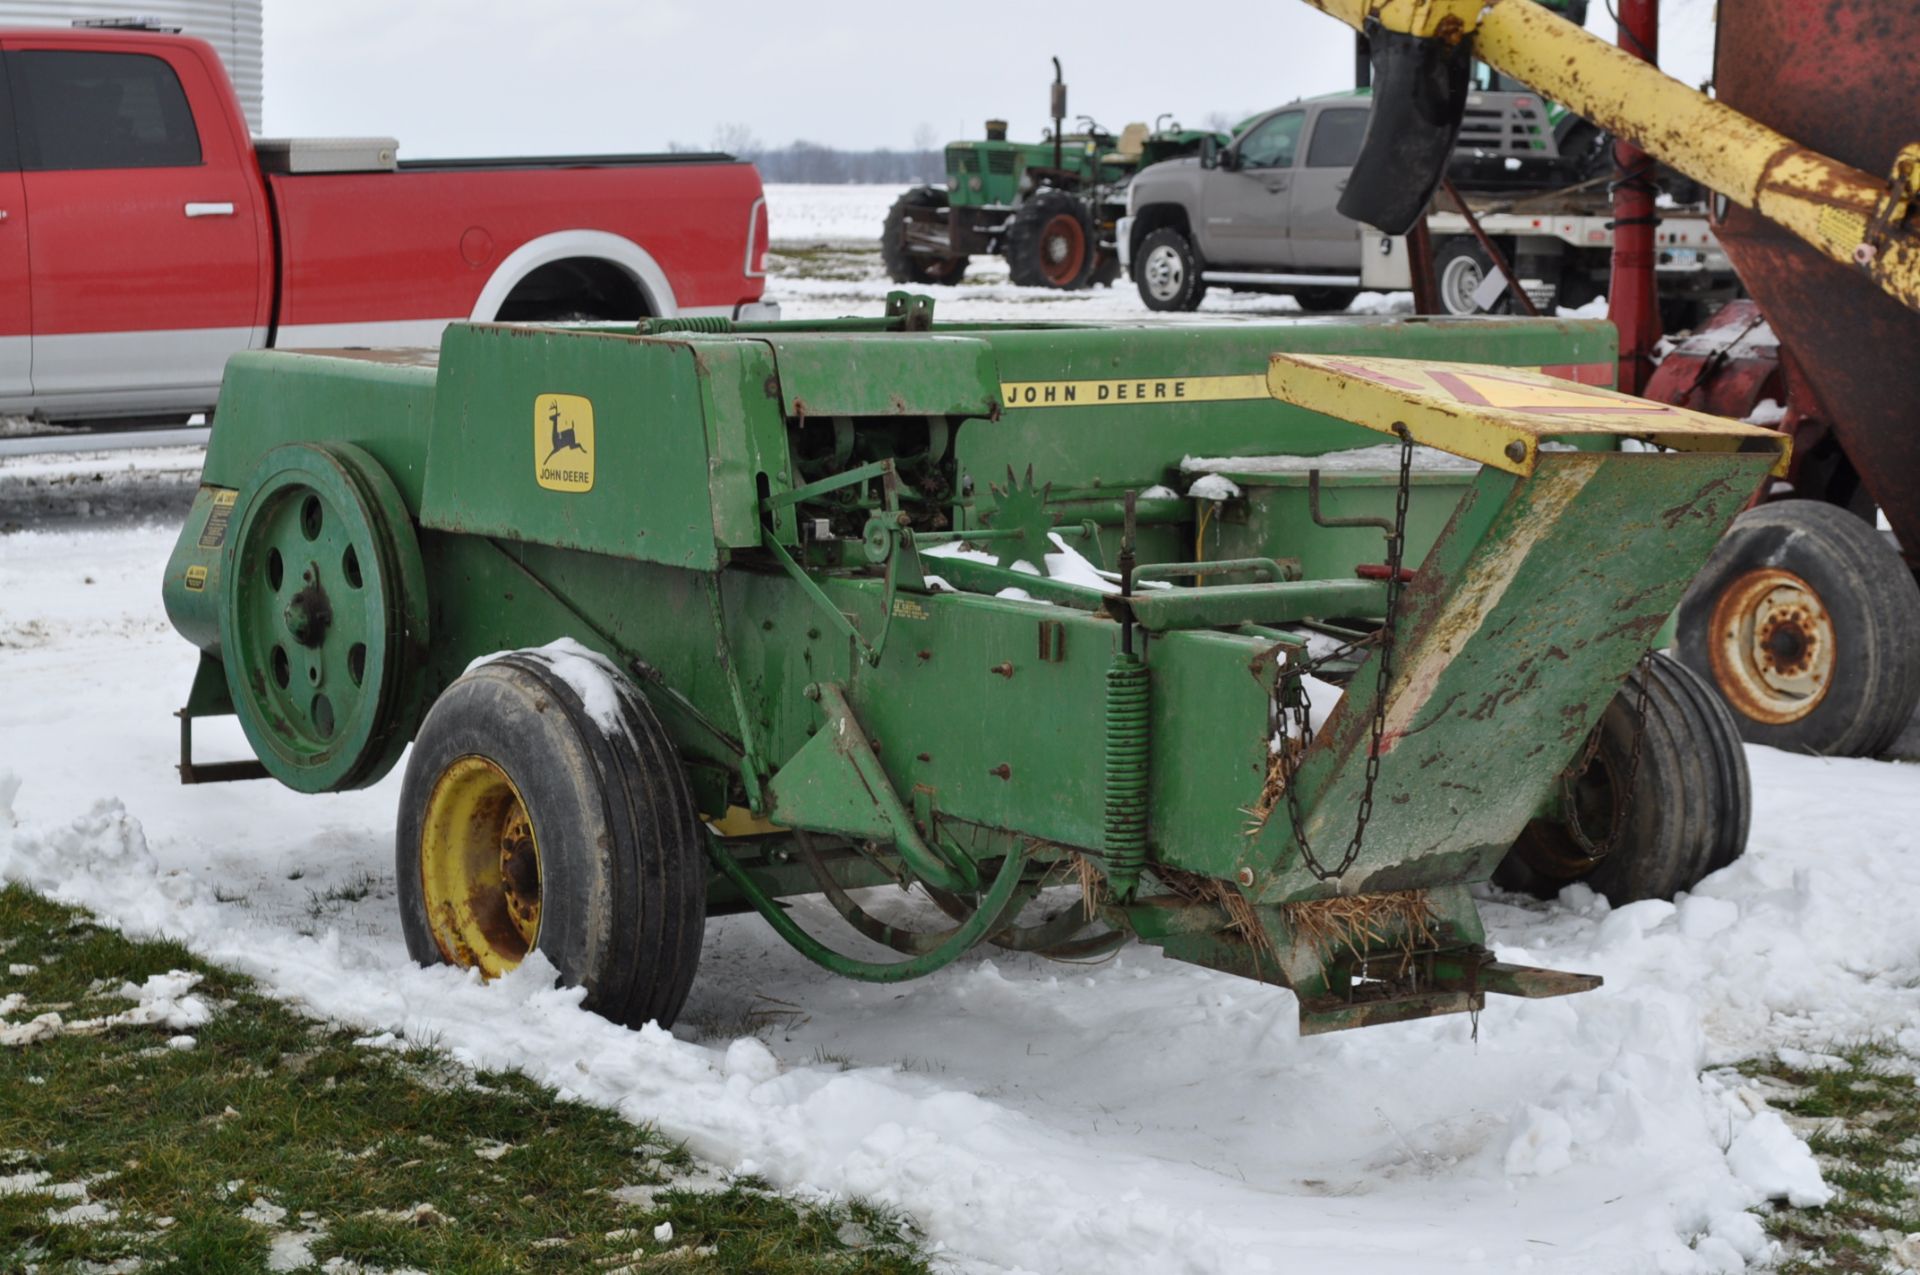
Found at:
(479, 77)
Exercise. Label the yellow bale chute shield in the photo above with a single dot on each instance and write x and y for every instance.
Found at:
(1498, 416)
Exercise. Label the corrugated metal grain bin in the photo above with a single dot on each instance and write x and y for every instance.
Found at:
(231, 26)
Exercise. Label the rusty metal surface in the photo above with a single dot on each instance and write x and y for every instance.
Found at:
(1771, 646)
(1727, 368)
(1837, 76)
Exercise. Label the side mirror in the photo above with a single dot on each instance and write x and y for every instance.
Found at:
(1230, 159)
(1209, 153)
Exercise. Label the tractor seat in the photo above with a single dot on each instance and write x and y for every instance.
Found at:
(1133, 140)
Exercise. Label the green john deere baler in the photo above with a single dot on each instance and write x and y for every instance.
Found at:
(1259, 643)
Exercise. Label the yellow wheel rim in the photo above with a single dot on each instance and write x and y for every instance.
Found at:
(480, 867)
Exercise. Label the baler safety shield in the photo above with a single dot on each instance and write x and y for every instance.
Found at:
(884, 374)
(1499, 416)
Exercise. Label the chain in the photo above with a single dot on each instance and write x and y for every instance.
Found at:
(1289, 758)
(1622, 793)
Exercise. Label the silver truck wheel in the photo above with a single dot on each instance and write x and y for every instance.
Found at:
(1163, 273)
(1460, 267)
(1167, 271)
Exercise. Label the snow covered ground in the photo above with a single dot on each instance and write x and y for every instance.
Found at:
(1136, 1115)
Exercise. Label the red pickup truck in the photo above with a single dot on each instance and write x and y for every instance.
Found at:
(145, 237)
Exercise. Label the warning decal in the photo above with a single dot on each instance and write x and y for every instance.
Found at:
(214, 534)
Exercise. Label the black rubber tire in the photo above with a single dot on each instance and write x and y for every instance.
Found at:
(623, 869)
(1691, 805)
(1465, 256)
(1106, 271)
(1325, 300)
(1188, 290)
(1025, 248)
(1870, 599)
(903, 266)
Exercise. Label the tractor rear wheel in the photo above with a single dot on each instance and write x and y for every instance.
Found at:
(1652, 829)
(1050, 244)
(545, 810)
(1167, 271)
(904, 266)
(1804, 618)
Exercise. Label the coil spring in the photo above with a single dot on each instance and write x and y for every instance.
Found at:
(1126, 777)
(716, 323)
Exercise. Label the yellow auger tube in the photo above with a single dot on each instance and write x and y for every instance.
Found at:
(1849, 215)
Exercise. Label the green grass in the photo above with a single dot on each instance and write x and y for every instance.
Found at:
(844, 262)
(350, 1141)
(1868, 1145)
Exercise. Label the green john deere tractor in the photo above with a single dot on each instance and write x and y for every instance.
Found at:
(1048, 207)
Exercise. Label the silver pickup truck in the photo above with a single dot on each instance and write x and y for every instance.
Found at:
(1258, 214)
(1261, 215)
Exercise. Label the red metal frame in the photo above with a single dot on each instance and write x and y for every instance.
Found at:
(1632, 303)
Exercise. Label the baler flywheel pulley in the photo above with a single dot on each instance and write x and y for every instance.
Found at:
(327, 609)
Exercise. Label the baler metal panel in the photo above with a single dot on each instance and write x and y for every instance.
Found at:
(884, 374)
(633, 460)
(379, 400)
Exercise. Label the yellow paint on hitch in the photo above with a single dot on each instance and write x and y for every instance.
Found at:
(1497, 416)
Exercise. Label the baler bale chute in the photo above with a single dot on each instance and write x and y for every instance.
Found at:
(809, 608)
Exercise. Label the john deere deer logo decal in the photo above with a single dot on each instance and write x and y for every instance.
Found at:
(563, 442)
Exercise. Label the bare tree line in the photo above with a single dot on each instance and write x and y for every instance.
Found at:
(811, 162)
(814, 163)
